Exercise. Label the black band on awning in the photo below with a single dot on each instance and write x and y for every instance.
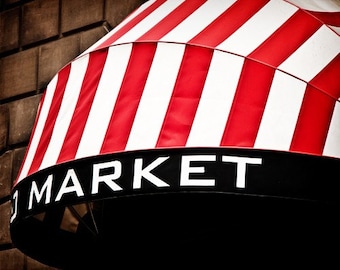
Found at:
(212, 170)
(193, 196)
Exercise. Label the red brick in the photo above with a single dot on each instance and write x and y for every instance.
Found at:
(9, 29)
(117, 10)
(89, 37)
(3, 126)
(6, 174)
(54, 55)
(79, 13)
(18, 157)
(22, 114)
(5, 214)
(40, 20)
(9, 2)
(18, 73)
(12, 259)
(36, 265)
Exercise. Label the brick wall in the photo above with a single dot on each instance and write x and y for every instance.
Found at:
(37, 38)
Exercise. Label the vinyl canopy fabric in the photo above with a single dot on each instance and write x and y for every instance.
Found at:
(207, 73)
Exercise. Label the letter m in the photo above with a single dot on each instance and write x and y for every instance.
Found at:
(46, 189)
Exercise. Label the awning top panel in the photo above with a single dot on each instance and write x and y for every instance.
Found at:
(211, 23)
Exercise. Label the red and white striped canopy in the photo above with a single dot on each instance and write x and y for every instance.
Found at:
(206, 73)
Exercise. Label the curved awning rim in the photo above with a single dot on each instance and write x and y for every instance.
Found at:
(206, 47)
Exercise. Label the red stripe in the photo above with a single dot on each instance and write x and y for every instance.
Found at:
(313, 122)
(317, 109)
(129, 96)
(228, 22)
(171, 20)
(328, 79)
(330, 18)
(248, 105)
(185, 97)
(128, 26)
(84, 103)
(286, 39)
(63, 76)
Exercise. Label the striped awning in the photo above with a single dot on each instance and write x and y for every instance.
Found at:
(231, 98)
(248, 74)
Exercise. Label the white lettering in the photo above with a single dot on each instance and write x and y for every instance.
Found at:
(47, 187)
(76, 187)
(241, 167)
(108, 178)
(186, 170)
(191, 171)
(14, 208)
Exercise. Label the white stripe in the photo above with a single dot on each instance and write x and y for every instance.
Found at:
(150, 21)
(317, 5)
(216, 100)
(309, 59)
(198, 20)
(71, 95)
(104, 100)
(119, 26)
(335, 28)
(156, 96)
(281, 112)
(39, 127)
(258, 28)
(332, 145)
